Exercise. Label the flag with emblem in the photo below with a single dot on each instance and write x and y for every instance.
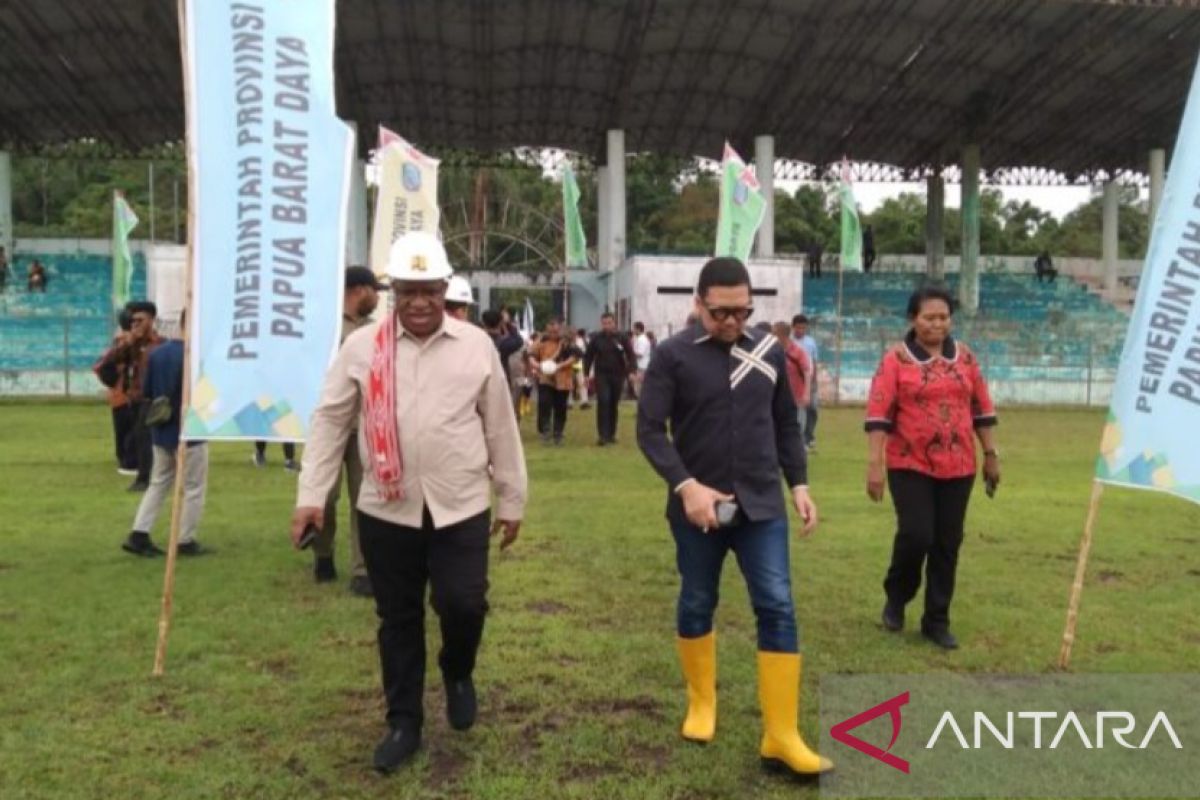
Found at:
(575, 240)
(852, 259)
(741, 208)
(124, 221)
(407, 199)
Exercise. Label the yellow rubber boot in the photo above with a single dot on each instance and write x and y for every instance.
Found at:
(779, 697)
(699, 659)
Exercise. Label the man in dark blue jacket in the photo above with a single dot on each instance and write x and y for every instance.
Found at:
(716, 419)
(164, 379)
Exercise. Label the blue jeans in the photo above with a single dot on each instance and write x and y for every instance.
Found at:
(761, 549)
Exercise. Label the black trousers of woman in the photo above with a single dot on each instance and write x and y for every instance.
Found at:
(930, 513)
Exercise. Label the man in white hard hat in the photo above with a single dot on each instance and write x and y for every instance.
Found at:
(459, 298)
(431, 405)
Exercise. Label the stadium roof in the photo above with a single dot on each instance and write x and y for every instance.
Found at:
(1067, 85)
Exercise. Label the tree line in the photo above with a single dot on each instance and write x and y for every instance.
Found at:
(672, 205)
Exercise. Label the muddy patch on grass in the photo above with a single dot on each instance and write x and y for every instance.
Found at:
(617, 708)
(336, 639)
(162, 705)
(587, 773)
(1104, 648)
(446, 766)
(6, 565)
(548, 607)
(1110, 576)
(279, 667)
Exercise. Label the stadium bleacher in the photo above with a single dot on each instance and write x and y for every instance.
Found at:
(1021, 329)
(69, 325)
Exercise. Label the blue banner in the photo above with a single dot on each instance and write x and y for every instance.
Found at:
(1150, 441)
(270, 166)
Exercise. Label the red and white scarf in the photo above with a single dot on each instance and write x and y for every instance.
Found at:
(385, 462)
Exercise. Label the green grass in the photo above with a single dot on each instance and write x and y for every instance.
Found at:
(272, 682)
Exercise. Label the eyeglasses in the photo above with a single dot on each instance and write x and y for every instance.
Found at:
(720, 313)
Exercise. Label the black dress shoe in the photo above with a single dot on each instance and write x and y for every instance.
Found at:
(137, 486)
(893, 617)
(942, 637)
(461, 705)
(323, 570)
(397, 747)
(139, 544)
(193, 548)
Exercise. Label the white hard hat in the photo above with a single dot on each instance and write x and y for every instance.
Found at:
(418, 256)
(459, 291)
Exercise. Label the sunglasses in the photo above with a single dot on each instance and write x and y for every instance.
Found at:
(720, 313)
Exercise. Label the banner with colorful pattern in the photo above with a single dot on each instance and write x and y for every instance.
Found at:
(271, 162)
(1151, 441)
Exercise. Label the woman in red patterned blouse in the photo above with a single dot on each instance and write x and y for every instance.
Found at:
(928, 401)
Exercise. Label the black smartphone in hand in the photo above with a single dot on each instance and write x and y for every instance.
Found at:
(311, 532)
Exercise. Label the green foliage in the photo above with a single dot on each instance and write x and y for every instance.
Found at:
(672, 205)
(272, 682)
(70, 194)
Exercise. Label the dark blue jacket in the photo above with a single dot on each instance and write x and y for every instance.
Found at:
(164, 376)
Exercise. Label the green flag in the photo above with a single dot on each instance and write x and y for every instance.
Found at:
(576, 242)
(741, 209)
(852, 259)
(124, 221)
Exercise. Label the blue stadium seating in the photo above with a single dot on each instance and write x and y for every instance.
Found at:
(1022, 329)
(69, 325)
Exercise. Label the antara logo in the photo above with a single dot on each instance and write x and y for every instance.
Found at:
(1117, 724)
(841, 731)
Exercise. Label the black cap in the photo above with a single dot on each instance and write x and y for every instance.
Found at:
(362, 276)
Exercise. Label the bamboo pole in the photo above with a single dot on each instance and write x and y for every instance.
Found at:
(1085, 547)
(164, 618)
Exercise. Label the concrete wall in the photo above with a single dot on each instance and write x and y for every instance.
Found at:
(640, 278)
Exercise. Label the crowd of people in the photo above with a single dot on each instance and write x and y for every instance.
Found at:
(420, 416)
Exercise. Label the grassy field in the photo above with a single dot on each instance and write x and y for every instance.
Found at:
(272, 683)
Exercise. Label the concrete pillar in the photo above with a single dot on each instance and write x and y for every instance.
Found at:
(1158, 173)
(935, 237)
(603, 221)
(6, 218)
(968, 276)
(616, 197)
(1112, 196)
(483, 289)
(358, 240)
(764, 169)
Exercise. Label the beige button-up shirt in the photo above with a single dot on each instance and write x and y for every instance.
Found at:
(455, 419)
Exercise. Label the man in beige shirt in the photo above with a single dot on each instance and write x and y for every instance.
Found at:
(430, 401)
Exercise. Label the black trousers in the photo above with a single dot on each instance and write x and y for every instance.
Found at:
(400, 562)
(143, 447)
(929, 513)
(552, 410)
(122, 420)
(289, 450)
(810, 428)
(608, 398)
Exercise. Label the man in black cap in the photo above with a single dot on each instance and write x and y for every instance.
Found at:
(359, 301)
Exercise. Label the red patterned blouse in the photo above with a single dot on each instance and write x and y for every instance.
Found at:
(930, 407)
